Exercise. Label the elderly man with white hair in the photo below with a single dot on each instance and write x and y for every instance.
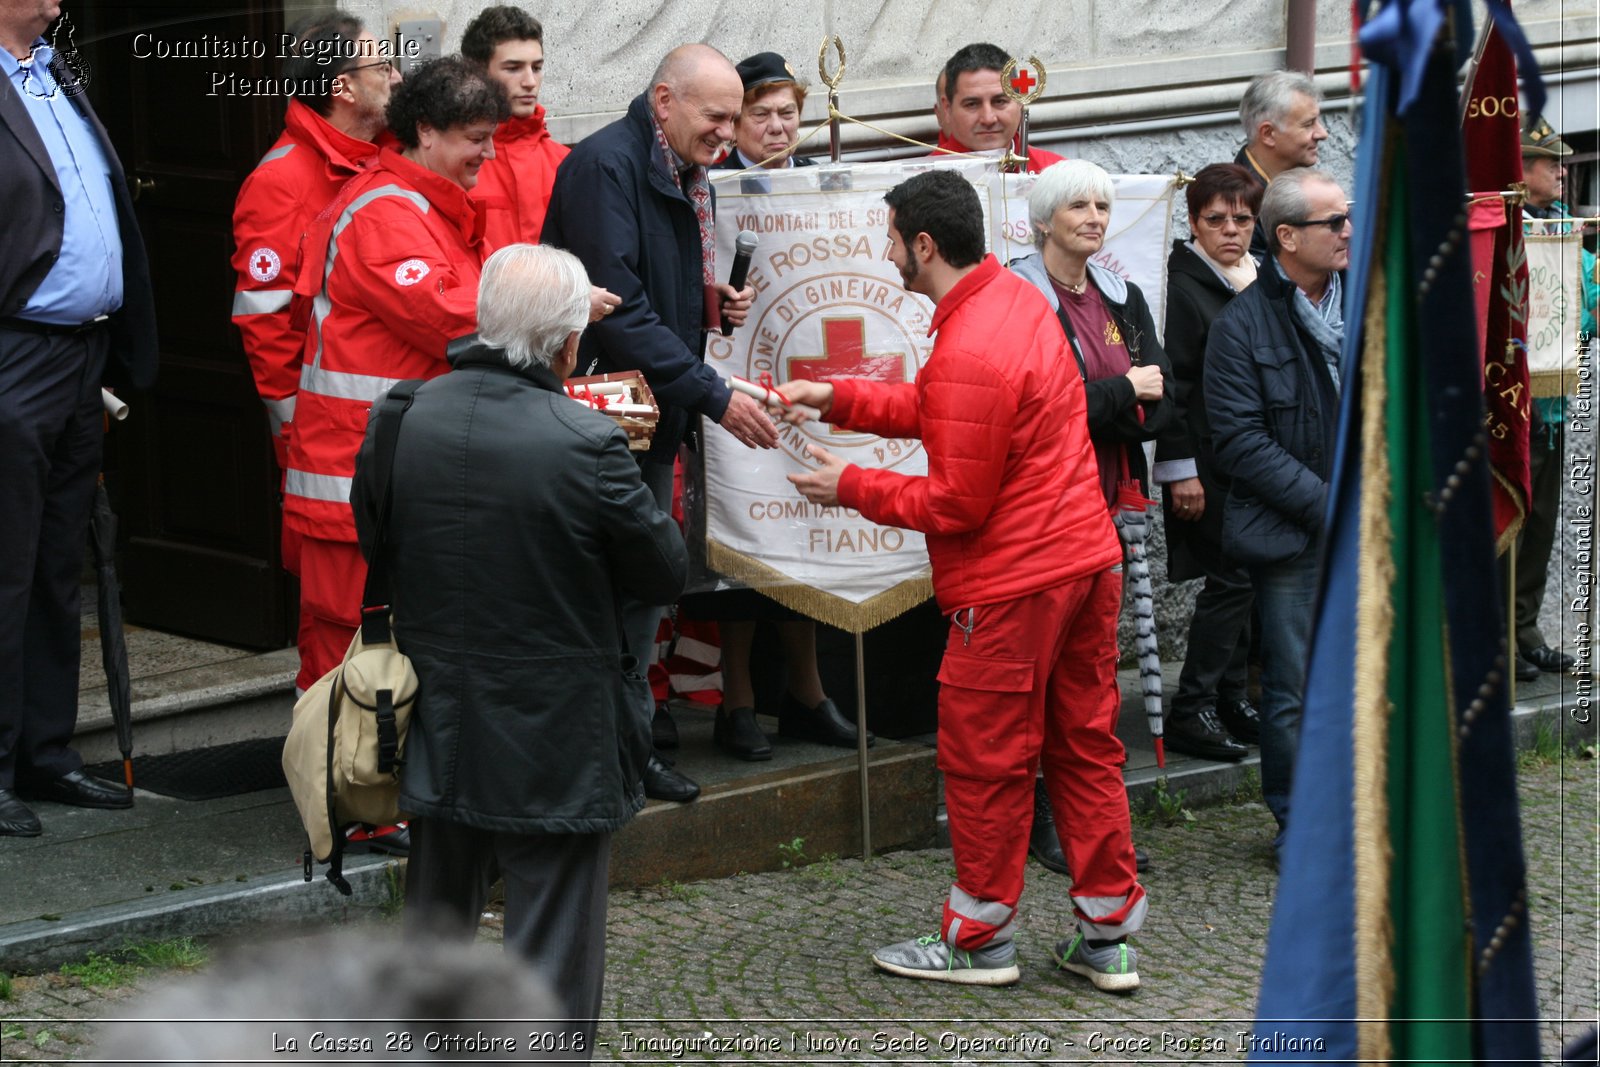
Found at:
(517, 524)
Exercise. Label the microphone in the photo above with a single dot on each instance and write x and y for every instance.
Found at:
(743, 246)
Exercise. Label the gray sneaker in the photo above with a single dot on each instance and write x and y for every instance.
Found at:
(1111, 968)
(929, 957)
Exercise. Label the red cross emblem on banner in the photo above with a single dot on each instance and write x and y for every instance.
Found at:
(1024, 82)
(845, 355)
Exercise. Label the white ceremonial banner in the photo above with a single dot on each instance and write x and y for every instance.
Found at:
(829, 303)
(1555, 302)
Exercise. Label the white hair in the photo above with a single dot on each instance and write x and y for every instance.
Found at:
(530, 298)
(1062, 183)
(1270, 96)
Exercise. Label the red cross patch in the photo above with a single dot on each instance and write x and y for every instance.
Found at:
(410, 272)
(264, 264)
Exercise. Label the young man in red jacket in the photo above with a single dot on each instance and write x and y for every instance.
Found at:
(1027, 565)
(514, 187)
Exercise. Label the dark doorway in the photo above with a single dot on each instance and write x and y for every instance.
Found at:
(191, 469)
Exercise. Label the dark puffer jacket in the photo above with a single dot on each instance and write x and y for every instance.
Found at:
(518, 519)
(1274, 419)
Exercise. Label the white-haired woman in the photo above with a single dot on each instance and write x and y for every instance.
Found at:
(1112, 335)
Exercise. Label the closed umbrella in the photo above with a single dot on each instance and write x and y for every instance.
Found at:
(113, 645)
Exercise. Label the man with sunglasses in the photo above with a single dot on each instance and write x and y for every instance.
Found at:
(1272, 393)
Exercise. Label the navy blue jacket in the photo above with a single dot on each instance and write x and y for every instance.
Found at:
(619, 211)
(1274, 420)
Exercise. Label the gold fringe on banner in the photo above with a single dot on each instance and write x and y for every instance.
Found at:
(816, 603)
(1548, 383)
(1374, 853)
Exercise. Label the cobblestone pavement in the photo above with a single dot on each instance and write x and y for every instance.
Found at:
(780, 961)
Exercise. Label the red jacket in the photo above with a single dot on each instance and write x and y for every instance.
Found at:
(297, 178)
(514, 186)
(1011, 503)
(1038, 158)
(399, 254)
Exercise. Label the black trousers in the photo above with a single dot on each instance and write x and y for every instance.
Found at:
(555, 903)
(1546, 471)
(51, 440)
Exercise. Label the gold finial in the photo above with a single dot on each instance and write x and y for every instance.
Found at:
(831, 81)
(1180, 179)
(1022, 88)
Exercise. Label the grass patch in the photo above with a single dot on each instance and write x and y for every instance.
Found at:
(1167, 808)
(121, 967)
(678, 891)
(1546, 747)
(7, 990)
(793, 853)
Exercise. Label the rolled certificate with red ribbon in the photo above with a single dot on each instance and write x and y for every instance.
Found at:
(625, 398)
(770, 395)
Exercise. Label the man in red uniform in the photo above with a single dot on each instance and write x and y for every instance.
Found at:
(514, 186)
(1027, 564)
(328, 135)
(973, 111)
(390, 273)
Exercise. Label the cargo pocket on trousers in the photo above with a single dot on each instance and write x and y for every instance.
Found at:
(985, 715)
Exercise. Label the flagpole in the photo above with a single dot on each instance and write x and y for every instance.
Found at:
(1511, 620)
(1024, 90)
(861, 745)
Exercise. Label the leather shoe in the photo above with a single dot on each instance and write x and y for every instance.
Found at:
(736, 731)
(1526, 672)
(1200, 734)
(661, 782)
(824, 724)
(79, 790)
(1241, 720)
(1549, 660)
(1141, 859)
(663, 731)
(16, 819)
(1043, 842)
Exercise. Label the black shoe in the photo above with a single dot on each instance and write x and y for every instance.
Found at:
(1044, 843)
(736, 731)
(1200, 734)
(1241, 720)
(16, 819)
(1549, 660)
(394, 840)
(823, 724)
(1525, 671)
(663, 731)
(1141, 859)
(79, 790)
(661, 782)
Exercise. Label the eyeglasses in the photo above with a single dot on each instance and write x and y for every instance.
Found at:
(383, 64)
(1334, 223)
(1216, 221)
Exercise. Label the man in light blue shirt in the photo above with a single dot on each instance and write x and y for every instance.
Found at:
(75, 306)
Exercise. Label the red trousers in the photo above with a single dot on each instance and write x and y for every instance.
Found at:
(332, 577)
(1025, 682)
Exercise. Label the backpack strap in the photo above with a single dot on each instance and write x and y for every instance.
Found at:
(375, 598)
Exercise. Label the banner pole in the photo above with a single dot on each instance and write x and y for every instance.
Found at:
(1020, 85)
(1511, 621)
(861, 746)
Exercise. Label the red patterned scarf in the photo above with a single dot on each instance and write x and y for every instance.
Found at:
(698, 189)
